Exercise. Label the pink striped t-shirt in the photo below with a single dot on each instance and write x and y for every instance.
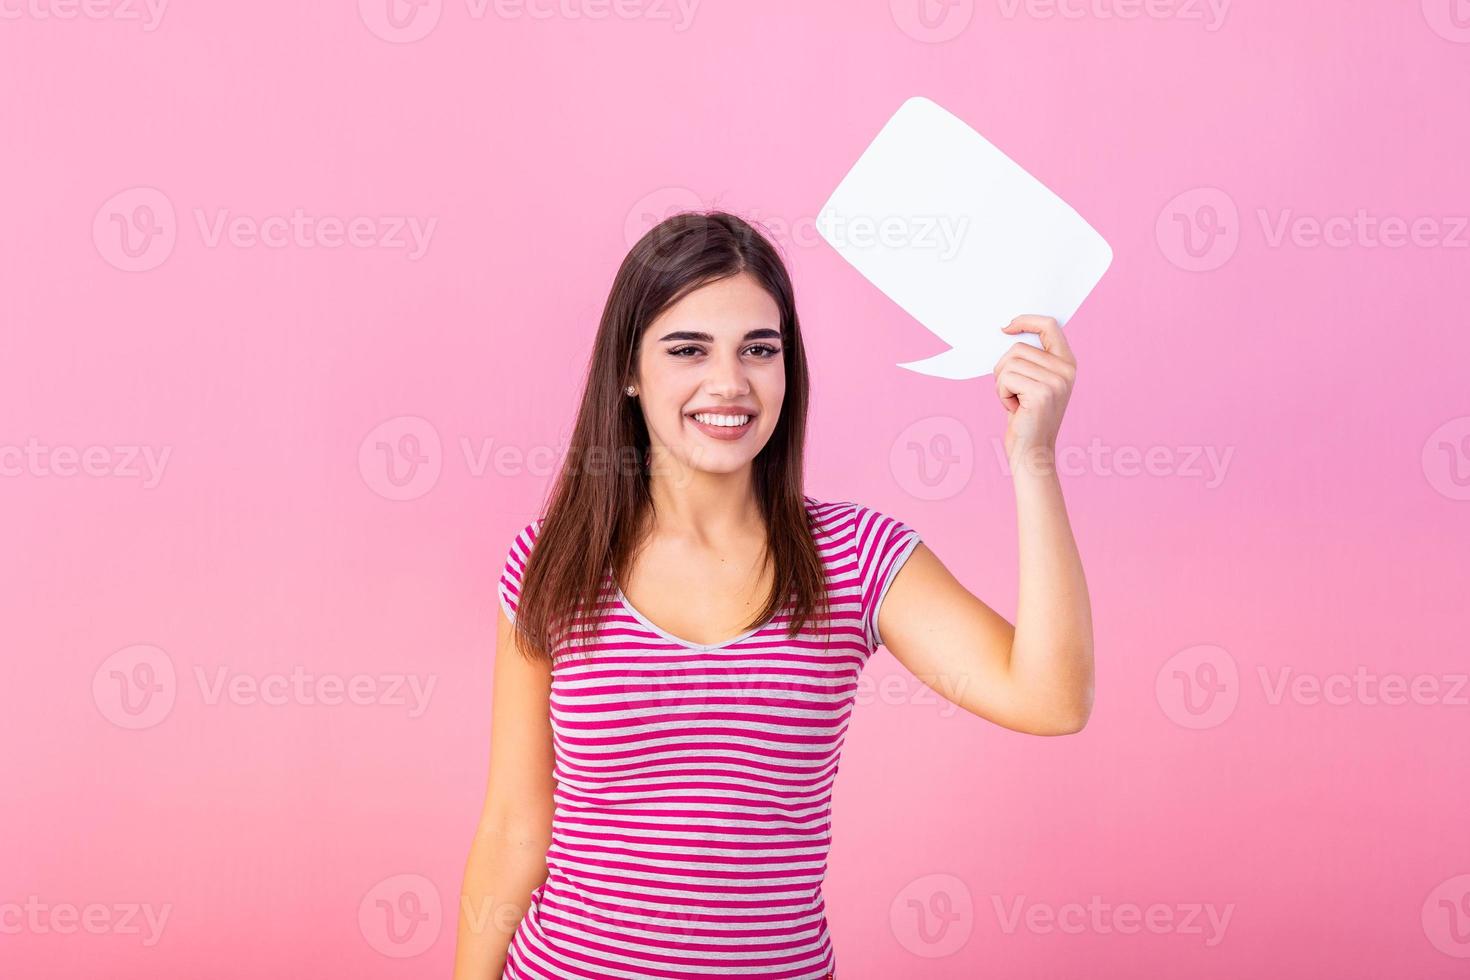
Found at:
(693, 781)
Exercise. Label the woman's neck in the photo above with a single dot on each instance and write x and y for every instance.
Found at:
(705, 508)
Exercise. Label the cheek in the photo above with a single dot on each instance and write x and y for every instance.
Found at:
(665, 412)
(661, 392)
(774, 393)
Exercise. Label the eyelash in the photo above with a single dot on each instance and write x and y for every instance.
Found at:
(774, 351)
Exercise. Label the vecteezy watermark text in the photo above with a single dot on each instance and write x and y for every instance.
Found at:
(940, 234)
(37, 917)
(124, 462)
(300, 687)
(1206, 463)
(136, 230)
(1200, 686)
(407, 21)
(1211, 13)
(149, 13)
(1124, 918)
(302, 230)
(1200, 229)
(136, 687)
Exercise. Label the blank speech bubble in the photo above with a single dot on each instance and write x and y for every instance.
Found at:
(961, 237)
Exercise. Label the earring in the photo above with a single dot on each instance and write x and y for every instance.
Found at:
(631, 390)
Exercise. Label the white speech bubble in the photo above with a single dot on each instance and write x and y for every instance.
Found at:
(961, 237)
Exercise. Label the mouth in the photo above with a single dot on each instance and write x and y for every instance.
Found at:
(726, 428)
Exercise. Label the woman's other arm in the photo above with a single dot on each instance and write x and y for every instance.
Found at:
(507, 859)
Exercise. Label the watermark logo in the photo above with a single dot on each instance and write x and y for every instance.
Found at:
(400, 21)
(1199, 230)
(135, 687)
(1199, 686)
(1446, 916)
(135, 229)
(933, 458)
(1446, 459)
(1450, 19)
(401, 915)
(932, 21)
(933, 916)
(650, 211)
(401, 458)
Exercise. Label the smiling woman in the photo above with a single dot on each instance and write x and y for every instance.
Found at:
(680, 643)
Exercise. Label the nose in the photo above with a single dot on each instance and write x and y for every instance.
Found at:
(726, 377)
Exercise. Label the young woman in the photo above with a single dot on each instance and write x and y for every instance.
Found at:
(681, 633)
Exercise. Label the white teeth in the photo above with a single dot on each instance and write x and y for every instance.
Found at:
(725, 420)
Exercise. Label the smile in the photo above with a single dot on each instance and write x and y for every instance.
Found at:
(726, 428)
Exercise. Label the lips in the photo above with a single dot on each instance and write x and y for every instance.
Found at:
(724, 433)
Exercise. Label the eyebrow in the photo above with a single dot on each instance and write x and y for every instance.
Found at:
(696, 335)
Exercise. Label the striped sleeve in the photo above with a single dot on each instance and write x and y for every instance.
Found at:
(884, 544)
(512, 574)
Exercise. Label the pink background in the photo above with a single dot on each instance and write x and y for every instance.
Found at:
(287, 836)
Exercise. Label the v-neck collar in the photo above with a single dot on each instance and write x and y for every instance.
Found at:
(657, 630)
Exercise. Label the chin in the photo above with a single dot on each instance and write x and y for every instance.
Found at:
(720, 463)
(720, 459)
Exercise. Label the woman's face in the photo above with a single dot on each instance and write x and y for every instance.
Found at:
(717, 353)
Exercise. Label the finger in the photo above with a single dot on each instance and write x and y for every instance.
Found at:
(1013, 359)
(1044, 360)
(1039, 364)
(1013, 382)
(1044, 326)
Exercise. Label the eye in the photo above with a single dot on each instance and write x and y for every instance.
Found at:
(763, 351)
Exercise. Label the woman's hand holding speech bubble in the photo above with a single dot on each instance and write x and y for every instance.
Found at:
(1034, 385)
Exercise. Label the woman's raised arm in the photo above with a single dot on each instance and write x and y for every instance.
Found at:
(1038, 676)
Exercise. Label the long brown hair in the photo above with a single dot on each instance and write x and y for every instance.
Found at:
(601, 495)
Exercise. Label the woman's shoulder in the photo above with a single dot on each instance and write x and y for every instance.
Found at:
(848, 515)
(513, 573)
(524, 540)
